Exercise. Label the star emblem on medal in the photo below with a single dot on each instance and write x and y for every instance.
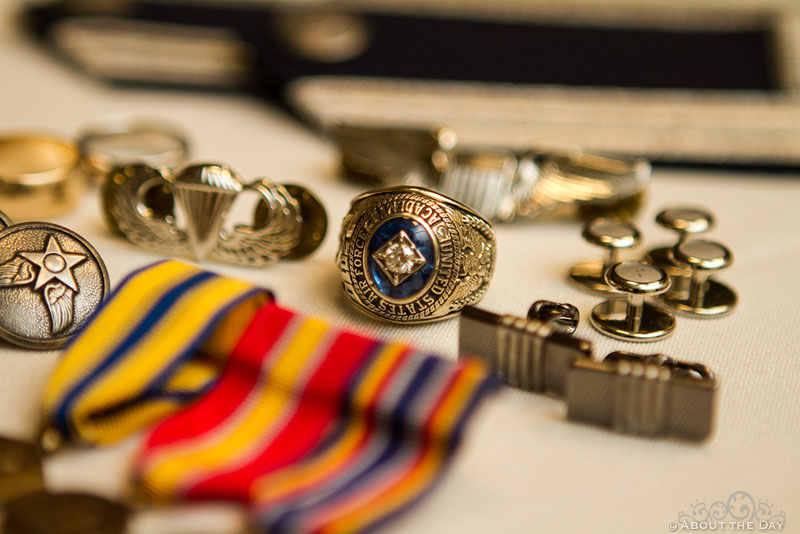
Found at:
(399, 258)
(51, 274)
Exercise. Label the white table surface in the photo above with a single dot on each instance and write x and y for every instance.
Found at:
(523, 468)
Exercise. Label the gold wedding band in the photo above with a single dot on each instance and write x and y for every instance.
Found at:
(40, 176)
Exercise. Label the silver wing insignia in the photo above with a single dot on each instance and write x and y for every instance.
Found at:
(60, 300)
(16, 272)
(274, 233)
(127, 191)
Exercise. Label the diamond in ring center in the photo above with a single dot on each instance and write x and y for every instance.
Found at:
(399, 258)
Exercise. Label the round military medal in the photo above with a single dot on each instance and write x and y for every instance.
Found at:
(64, 513)
(51, 282)
(20, 468)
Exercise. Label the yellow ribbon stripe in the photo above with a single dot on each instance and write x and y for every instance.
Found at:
(133, 363)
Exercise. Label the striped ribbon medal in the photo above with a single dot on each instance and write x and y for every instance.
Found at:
(155, 344)
(319, 429)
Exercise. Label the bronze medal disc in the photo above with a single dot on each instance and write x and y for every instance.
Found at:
(64, 513)
(20, 469)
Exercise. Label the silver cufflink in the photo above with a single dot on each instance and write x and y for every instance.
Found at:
(647, 395)
(612, 235)
(631, 317)
(705, 296)
(690, 262)
(529, 353)
(679, 274)
(686, 222)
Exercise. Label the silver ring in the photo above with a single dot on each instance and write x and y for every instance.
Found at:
(122, 139)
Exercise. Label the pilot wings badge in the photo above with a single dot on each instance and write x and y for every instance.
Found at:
(50, 272)
(186, 213)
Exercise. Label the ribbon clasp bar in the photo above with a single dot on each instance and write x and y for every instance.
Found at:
(651, 395)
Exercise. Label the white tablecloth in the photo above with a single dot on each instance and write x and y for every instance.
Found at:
(523, 467)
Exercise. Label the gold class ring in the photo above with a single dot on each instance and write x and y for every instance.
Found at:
(410, 255)
(40, 176)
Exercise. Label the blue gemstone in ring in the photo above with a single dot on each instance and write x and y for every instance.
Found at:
(400, 258)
